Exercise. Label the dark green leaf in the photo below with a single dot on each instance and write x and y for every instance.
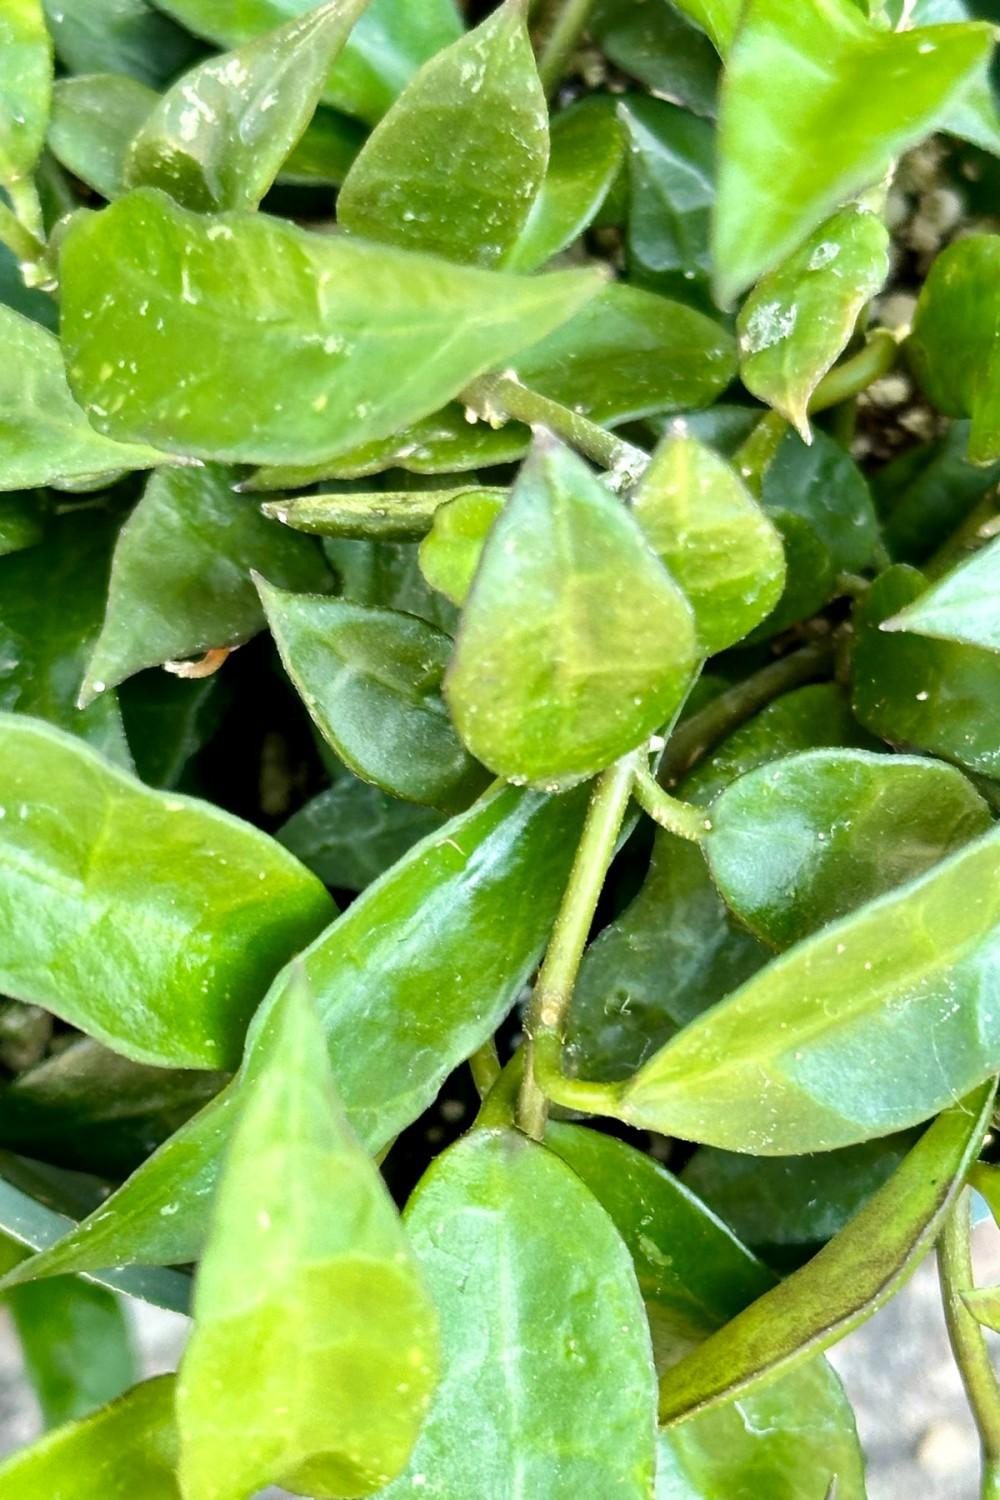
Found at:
(450, 554)
(962, 606)
(168, 720)
(927, 492)
(671, 190)
(657, 46)
(76, 1346)
(25, 87)
(383, 515)
(326, 150)
(93, 120)
(575, 643)
(29, 301)
(823, 485)
(455, 165)
(181, 575)
(152, 922)
(350, 834)
(325, 315)
(20, 523)
(387, 575)
(118, 36)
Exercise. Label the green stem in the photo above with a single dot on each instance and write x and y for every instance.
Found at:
(503, 396)
(550, 1002)
(967, 1342)
(27, 205)
(561, 39)
(27, 248)
(681, 818)
(484, 1065)
(500, 1105)
(847, 380)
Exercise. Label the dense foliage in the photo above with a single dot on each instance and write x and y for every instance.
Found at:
(543, 989)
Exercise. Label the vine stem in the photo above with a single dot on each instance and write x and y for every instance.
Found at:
(18, 238)
(967, 1341)
(484, 1065)
(681, 818)
(845, 381)
(560, 40)
(553, 992)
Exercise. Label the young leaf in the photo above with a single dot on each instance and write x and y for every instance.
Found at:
(350, 834)
(450, 553)
(785, 1064)
(180, 578)
(962, 606)
(327, 316)
(314, 1351)
(25, 87)
(545, 1343)
(851, 99)
(456, 163)
(383, 515)
(575, 643)
(846, 1282)
(803, 841)
(371, 680)
(118, 36)
(713, 537)
(799, 318)
(45, 439)
(151, 922)
(93, 120)
(218, 138)
(123, 1451)
(76, 1346)
(671, 167)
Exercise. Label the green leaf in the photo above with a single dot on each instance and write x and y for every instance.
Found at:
(629, 354)
(45, 438)
(152, 922)
(125, 1450)
(654, 44)
(25, 87)
(29, 301)
(193, 293)
(852, 98)
(93, 120)
(181, 575)
(371, 680)
(974, 117)
(118, 36)
(20, 523)
(455, 165)
(586, 151)
(799, 318)
(450, 553)
(218, 138)
(307, 1291)
(784, 1065)
(927, 492)
(671, 191)
(846, 1282)
(350, 834)
(961, 606)
(984, 1304)
(912, 690)
(383, 515)
(711, 534)
(387, 575)
(76, 1346)
(385, 49)
(575, 643)
(545, 1343)
(325, 152)
(168, 721)
(803, 841)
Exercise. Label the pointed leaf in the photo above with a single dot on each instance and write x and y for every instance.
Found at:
(76, 1346)
(704, 524)
(93, 120)
(822, 484)
(326, 315)
(671, 167)
(25, 87)
(384, 515)
(450, 553)
(154, 932)
(575, 643)
(961, 607)
(928, 491)
(350, 834)
(656, 45)
(218, 138)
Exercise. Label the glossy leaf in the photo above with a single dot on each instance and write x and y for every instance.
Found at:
(307, 1285)
(193, 293)
(852, 98)
(799, 318)
(45, 438)
(527, 1308)
(455, 165)
(218, 138)
(450, 553)
(123, 1451)
(151, 922)
(713, 537)
(656, 45)
(383, 515)
(31, 303)
(181, 575)
(371, 680)
(822, 484)
(671, 188)
(168, 721)
(896, 990)
(25, 87)
(76, 1346)
(94, 118)
(575, 643)
(911, 690)
(846, 1282)
(961, 606)
(927, 492)
(803, 841)
(118, 36)
(350, 834)
(387, 575)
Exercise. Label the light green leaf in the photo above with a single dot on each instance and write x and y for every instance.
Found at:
(961, 606)
(25, 87)
(75, 1344)
(545, 1343)
(181, 575)
(383, 515)
(218, 138)
(974, 118)
(94, 118)
(719, 18)
(314, 1352)
(711, 534)
(450, 553)
(325, 152)
(152, 922)
(45, 438)
(350, 834)
(126, 1450)
(455, 165)
(852, 98)
(846, 1282)
(575, 643)
(371, 680)
(799, 318)
(326, 316)
(118, 36)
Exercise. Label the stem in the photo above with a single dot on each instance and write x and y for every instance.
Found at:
(28, 249)
(550, 1002)
(484, 1064)
(967, 1341)
(856, 374)
(561, 39)
(681, 818)
(27, 205)
(493, 396)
